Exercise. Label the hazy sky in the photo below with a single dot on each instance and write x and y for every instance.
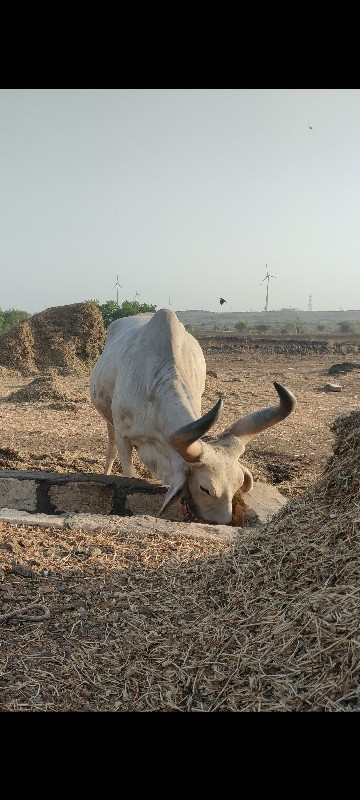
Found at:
(186, 194)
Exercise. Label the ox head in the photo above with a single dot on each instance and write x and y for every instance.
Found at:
(212, 473)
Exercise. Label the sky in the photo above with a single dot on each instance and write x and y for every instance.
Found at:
(187, 195)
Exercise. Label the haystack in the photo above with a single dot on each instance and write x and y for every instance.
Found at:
(67, 338)
(290, 621)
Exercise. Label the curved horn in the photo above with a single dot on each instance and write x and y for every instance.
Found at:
(184, 438)
(249, 426)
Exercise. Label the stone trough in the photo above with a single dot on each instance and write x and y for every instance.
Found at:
(53, 493)
(58, 493)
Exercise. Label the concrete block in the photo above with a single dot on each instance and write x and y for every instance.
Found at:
(16, 517)
(83, 498)
(262, 503)
(141, 503)
(332, 387)
(18, 494)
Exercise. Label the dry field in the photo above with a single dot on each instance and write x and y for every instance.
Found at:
(48, 422)
(139, 619)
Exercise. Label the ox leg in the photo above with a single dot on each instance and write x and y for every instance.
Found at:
(111, 449)
(124, 448)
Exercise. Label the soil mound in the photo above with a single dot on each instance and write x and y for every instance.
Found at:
(345, 366)
(66, 338)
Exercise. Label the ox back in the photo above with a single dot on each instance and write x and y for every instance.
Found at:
(147, 383)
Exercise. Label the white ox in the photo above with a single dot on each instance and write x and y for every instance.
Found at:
(147, 384)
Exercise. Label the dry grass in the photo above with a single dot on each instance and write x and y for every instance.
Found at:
(45, 389)
(157, 622)
(137, 619)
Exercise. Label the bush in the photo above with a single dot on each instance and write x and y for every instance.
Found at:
(241, 326)
(346, 326)
(293, 327)
(111, 311)
(10, 318)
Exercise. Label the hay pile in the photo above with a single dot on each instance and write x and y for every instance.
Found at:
(45, 389)
(67, 338)
(291, 626)
(142, 620)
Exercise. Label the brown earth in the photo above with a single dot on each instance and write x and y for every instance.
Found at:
(127, 620)
(48, 422)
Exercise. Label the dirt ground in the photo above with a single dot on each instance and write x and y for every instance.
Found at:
(59, 430)
(132, 619)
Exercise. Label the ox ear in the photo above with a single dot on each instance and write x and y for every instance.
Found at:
(177, 485)
(248, 484)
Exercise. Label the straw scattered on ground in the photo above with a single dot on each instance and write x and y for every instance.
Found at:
(46, 389)
(132, 620)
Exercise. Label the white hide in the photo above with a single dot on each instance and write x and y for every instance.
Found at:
(147, 384)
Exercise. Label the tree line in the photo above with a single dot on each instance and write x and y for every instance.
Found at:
(289, 328)
(297, 327)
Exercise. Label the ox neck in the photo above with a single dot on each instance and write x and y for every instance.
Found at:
(162, 461)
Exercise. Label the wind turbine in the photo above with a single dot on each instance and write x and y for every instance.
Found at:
(117, 286)
(267, 278)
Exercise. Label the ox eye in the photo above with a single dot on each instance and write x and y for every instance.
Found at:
(204, 490)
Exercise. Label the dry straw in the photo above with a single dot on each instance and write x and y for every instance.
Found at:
(46, 388)
(66, 338)
(143, 621)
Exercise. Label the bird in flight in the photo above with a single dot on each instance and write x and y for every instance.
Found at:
(309, 126)
(222, 301)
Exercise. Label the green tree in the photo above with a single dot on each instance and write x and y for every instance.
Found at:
(129, 308)
(110, 311)
(241, 326)
(262, 327)
(11, 317)
(321, 327)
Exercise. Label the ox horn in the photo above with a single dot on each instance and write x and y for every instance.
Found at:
(185, 440)
(248, 427)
